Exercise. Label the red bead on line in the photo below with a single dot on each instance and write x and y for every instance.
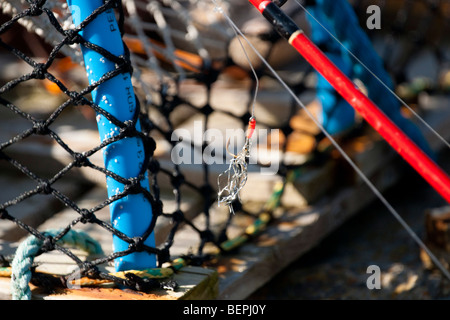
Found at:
(251, 127)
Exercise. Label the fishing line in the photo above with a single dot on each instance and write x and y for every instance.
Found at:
(377, 78)
(391, 209)
(237, 171)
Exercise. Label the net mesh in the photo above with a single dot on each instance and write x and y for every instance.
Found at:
(190, 73)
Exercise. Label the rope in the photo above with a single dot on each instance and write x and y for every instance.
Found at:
(23, 260)
(23, 292)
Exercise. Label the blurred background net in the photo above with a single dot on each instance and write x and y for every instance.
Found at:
(193, 81)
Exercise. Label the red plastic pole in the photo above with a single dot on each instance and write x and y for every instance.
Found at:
(401, 143)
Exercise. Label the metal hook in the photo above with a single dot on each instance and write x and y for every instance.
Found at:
(231, 154)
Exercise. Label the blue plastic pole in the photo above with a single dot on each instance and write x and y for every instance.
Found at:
(132, 214)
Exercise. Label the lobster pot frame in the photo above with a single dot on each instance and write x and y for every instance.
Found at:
(213, 120)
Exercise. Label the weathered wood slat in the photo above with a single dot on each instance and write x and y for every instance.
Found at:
(292, 235)
(194, 283)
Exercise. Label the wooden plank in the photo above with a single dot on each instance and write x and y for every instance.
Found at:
(292, 235)
(194, 283)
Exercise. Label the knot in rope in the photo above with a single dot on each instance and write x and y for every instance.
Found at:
(164, 255)
(76, 98)
(178, 216)
(45, 187)
(207, 109)
(87, 216)
(40, 128)
(39, 71)
(207, 236)
(137, 245)
(129, 129)
(48, 244)
(149, 145)
(133, 186)
(80, 160)
(72, 37)
(36, 8)
(123, 64)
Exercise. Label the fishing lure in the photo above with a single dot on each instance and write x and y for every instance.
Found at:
(237, 171)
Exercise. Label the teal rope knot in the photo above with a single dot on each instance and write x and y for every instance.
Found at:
(30, 247)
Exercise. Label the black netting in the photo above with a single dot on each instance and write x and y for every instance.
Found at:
(164, 105)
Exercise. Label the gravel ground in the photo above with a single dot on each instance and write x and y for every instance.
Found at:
(337, 268)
